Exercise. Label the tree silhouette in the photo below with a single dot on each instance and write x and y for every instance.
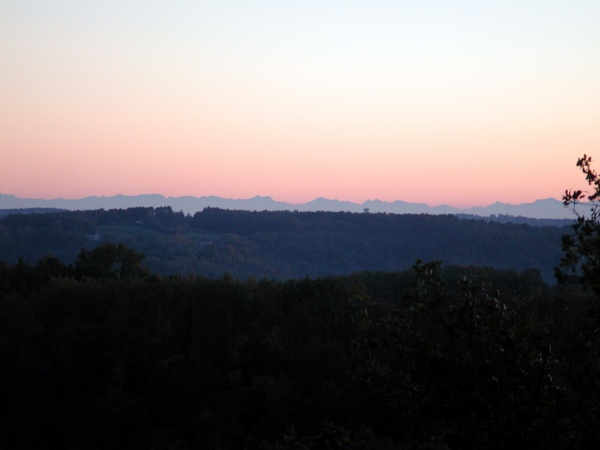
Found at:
(582, 249)
(110, 261)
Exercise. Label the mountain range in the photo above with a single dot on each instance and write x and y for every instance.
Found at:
(548, 208)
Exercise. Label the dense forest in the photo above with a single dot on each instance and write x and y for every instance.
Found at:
(284, 244)
(105, 354)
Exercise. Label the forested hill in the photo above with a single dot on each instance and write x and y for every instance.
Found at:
(105, 355)
(282, 244)
(505, 218)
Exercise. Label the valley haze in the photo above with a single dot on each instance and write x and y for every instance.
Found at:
(549, 208)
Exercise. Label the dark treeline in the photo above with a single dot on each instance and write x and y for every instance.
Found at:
(102, 354)
(282, 244)
(506, 218)
(8, 212)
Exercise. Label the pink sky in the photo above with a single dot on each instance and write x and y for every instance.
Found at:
(465, 105)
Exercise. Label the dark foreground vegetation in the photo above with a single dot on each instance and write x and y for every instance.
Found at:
(103, 355)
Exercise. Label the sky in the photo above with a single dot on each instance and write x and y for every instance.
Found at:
(441, 102)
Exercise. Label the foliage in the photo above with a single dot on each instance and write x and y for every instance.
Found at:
(110, 261)
(581, 261)
(469, 368)
(582, 248)
(280, 244)
(439, 357)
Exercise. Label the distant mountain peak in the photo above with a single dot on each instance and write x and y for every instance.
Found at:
(548, 208)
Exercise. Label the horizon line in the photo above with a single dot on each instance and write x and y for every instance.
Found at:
(271, 198)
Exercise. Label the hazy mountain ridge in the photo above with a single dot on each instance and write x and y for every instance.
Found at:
(549, 208)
